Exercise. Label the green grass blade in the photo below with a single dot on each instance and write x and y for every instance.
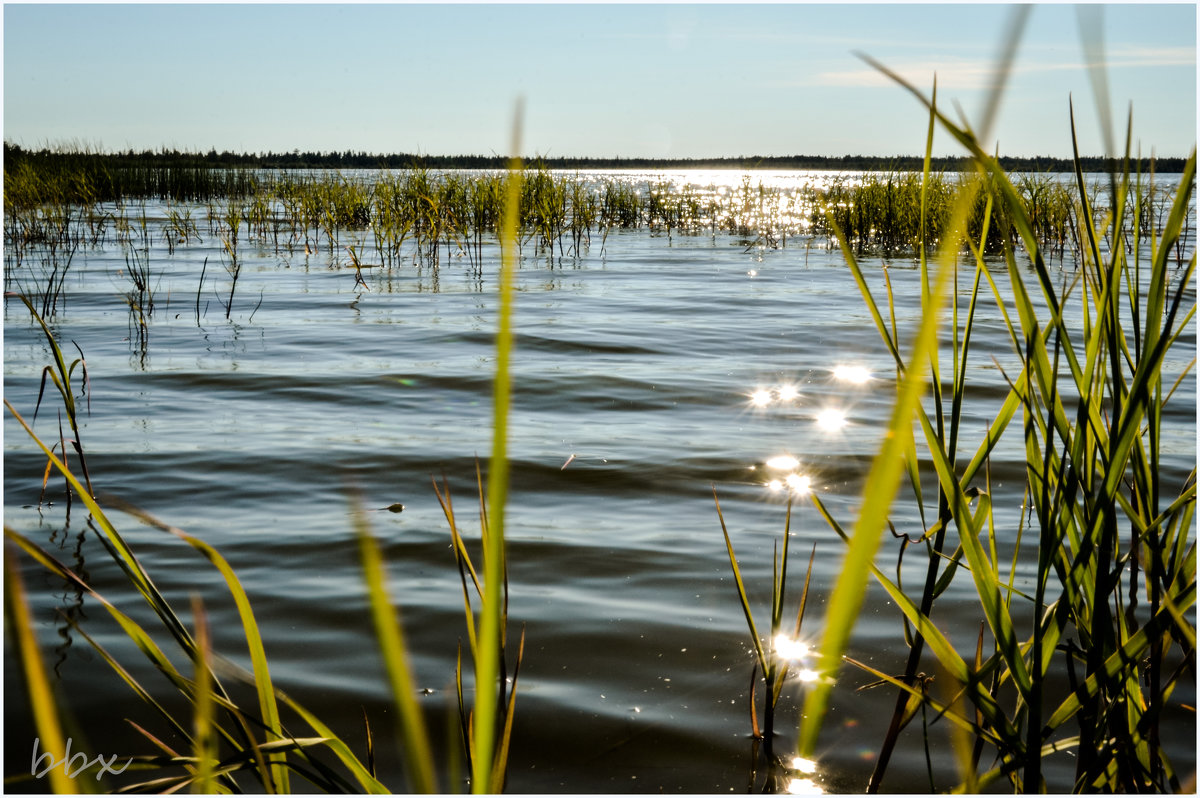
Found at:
(19, 622)
(415, 738)
(983, 571)
(203, 740)
(335, 744)
(487, 660)
(759, 652)
(277, 779)
(882, 482)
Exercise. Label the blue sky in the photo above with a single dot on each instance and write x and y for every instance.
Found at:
(629, 80)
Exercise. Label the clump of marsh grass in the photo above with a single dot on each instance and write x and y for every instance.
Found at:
(180, 228)
(774, 655)
(231, 258)
(474, 584)
(41, 244)
(1085, 663)
(140, 295)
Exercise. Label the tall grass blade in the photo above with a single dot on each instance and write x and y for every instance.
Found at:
(19, 622)
(122, 553)
(204, 741)
(759, 651)
(491, 623)
(883, 480)
(418, 754)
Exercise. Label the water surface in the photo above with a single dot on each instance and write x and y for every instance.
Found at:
(635, 374)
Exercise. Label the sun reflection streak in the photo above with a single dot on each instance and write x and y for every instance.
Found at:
(760, 398)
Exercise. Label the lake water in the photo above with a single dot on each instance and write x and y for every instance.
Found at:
(635, 374)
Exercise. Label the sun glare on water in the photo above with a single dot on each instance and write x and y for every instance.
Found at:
(801, 783)
(855, 375)
(800, 485)
(831, 419)
(804, 787)
(783, 462)
(789, 647)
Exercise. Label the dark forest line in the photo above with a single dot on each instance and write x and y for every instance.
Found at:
(363, 160)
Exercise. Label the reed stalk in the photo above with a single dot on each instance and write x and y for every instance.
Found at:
(491, 620)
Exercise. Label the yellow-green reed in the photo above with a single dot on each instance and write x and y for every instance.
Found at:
(487, 665)
(205, 742)
(410, 722)
(19, 623)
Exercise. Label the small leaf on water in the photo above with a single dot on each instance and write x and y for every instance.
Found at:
(395, 508)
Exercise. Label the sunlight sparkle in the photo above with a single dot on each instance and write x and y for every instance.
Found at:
(856, 375)
(800, 485)
(804, 787)
(790, 648)
(831, 419)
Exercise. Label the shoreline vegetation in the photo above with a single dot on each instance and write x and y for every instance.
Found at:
(70, 198)
(349, 159)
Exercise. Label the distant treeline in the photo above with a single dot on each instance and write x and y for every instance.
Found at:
(176, 159)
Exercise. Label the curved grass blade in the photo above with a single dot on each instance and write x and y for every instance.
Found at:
(335, 744)
(278, 776)
(123, 554)
(19, 621)
(415, 738)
